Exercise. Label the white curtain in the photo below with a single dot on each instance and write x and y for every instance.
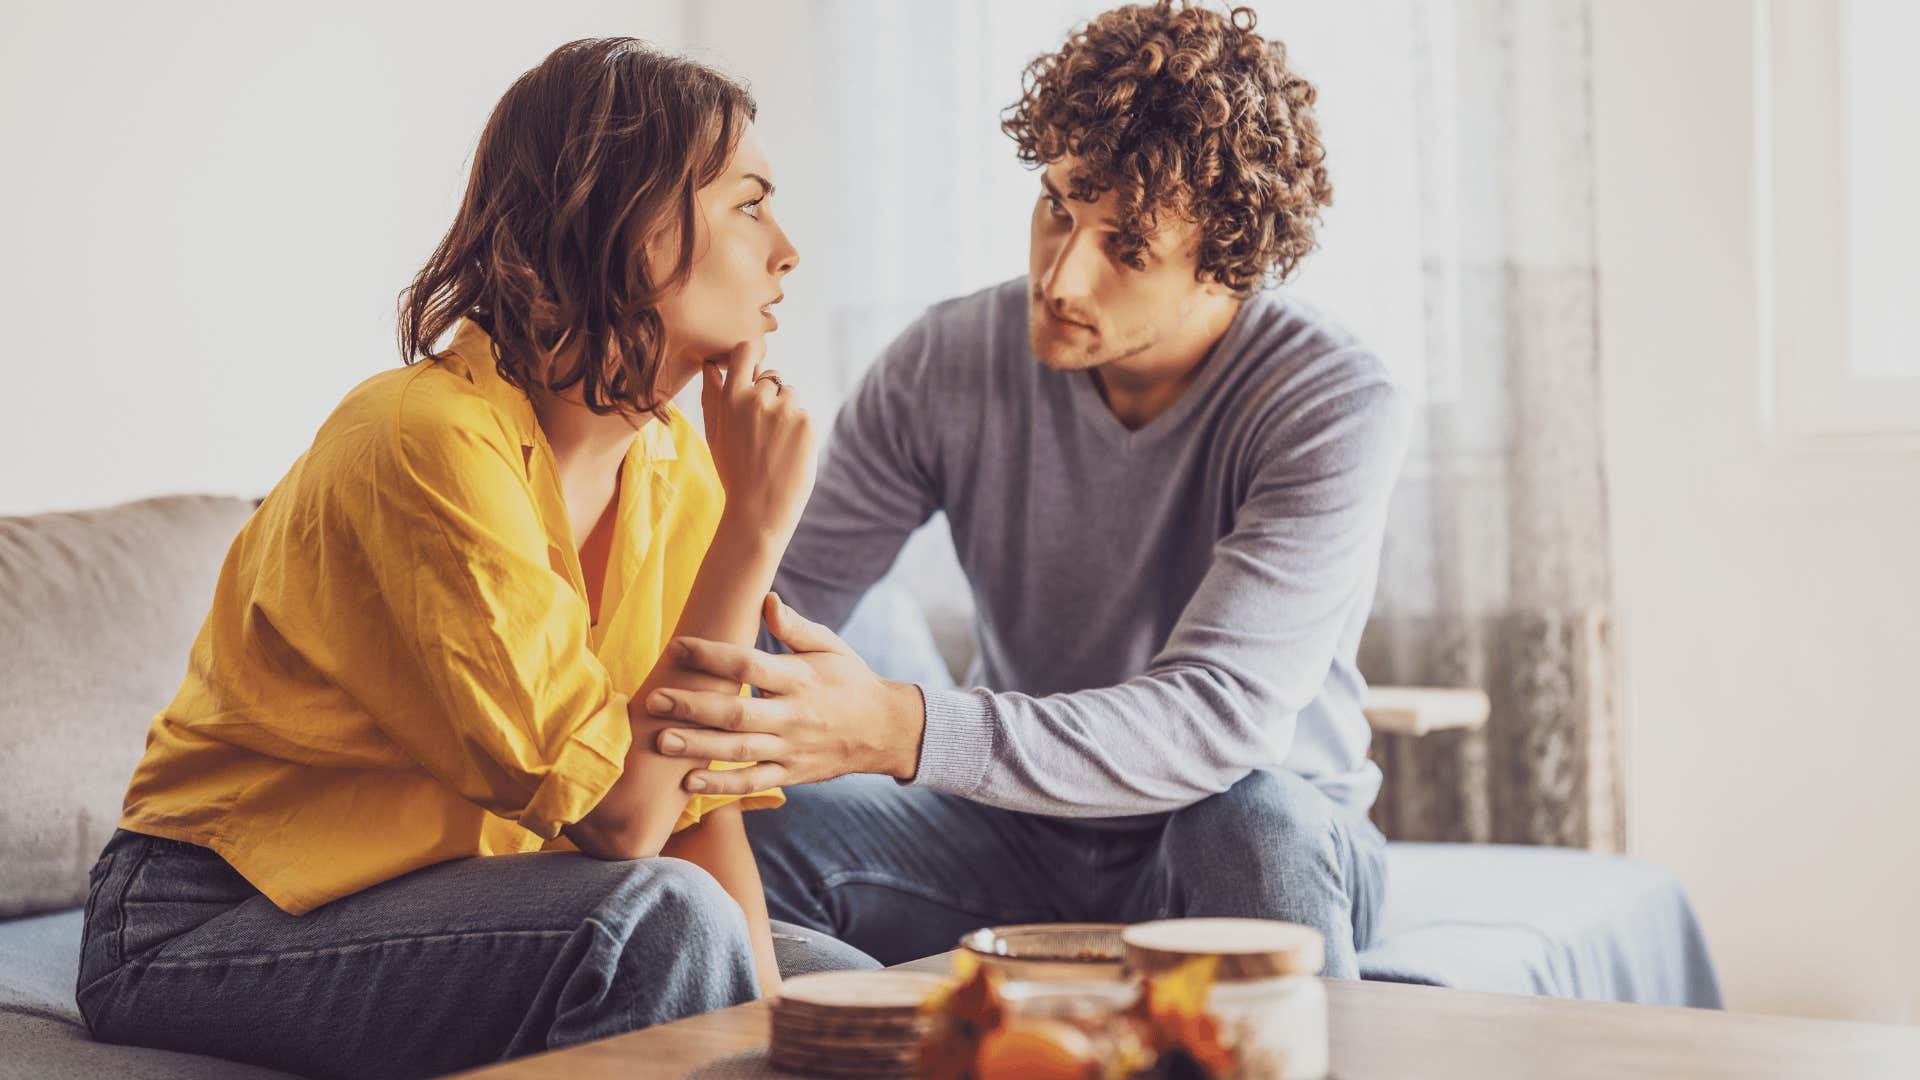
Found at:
(1496, 569)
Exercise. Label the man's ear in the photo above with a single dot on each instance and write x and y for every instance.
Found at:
(1214, 290)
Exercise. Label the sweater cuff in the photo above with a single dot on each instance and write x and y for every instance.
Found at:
(957, 746)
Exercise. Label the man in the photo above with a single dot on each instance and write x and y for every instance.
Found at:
(1167, 488)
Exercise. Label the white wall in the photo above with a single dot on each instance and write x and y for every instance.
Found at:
(1769, 589)
(209, 209)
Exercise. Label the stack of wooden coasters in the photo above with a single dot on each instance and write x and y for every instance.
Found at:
(851, 1023)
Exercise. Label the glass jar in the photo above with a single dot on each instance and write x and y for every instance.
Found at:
(1265, 990)
(1071, 1025)
(1280, 1024)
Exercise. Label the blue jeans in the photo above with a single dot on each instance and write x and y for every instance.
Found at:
(449, 967)
(903, 872)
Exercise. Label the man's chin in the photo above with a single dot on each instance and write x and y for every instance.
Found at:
(1057, 355)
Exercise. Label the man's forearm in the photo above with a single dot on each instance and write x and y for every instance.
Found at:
(1151, 744)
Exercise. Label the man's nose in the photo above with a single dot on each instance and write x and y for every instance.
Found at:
(1075, 269)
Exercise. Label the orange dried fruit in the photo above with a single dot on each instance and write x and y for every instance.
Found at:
(1037, 1049)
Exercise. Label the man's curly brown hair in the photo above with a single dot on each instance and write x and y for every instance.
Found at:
(1183, 110)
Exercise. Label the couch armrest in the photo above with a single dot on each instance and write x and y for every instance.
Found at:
(1416, 710)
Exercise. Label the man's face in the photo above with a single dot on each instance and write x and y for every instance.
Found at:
(1085, 307)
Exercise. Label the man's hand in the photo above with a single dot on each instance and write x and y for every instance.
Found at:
(823, 712)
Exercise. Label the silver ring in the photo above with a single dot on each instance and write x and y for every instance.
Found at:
(778, 385)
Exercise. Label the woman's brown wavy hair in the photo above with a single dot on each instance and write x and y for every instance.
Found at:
(1187, 111)
(585, 157)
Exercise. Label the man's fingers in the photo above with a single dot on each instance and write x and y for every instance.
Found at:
(736, 781)
(707, 745)
(800, 634)
(726, 712)
(738, 663)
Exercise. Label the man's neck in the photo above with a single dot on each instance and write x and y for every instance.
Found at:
(1139, 388)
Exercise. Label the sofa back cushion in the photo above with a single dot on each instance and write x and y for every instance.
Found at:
(98, 610)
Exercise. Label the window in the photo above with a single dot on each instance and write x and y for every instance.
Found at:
(1841, 163)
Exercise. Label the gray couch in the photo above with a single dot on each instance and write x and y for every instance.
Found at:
(97, 610)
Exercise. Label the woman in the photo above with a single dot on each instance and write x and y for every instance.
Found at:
(336, 856)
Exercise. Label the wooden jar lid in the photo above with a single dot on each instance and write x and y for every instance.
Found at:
(855, 1024)
(1248, 948)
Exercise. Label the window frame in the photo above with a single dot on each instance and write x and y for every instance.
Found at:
(1803, 229)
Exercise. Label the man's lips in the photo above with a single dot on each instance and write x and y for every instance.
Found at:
(1064, 321)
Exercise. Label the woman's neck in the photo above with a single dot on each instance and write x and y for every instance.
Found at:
(583, 440)
(585, 443)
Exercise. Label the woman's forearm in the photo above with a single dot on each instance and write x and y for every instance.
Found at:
(636, 816)
(719, 846)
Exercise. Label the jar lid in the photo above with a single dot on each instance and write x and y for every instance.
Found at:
(1248, 948)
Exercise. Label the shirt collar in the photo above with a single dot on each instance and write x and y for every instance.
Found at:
(471, 356)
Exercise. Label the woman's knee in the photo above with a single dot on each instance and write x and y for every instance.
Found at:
(665, 941)
(687, 906)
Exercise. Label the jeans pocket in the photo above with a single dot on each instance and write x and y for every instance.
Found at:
(96, 877)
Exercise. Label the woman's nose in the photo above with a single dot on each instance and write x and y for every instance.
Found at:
(785, 255)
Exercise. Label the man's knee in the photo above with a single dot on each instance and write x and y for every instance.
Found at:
(1268, 820)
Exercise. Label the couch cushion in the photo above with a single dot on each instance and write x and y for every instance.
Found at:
(1535, 920)
(97, 612)
(41, 1035)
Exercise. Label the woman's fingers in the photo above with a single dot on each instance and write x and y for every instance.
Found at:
(767, 387)
(743, 363)
(711, 386)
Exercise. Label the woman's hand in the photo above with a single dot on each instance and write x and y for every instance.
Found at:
(761, 440)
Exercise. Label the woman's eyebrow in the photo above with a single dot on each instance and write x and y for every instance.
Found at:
(766, 185)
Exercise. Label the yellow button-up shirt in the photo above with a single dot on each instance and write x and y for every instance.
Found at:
(400, 667)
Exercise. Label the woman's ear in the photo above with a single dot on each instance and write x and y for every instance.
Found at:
(659, 249)
(663, 241)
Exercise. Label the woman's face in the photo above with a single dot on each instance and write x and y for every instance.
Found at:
(740, 258)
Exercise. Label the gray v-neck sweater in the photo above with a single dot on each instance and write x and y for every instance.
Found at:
(1159, 611)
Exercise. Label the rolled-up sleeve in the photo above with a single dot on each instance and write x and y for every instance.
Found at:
(518, 715)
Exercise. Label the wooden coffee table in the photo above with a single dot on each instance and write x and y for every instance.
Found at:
(1385, 1031)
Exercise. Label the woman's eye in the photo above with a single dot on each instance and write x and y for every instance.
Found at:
(752, 209)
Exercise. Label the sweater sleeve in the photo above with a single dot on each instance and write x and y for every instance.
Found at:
(1250, 650)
